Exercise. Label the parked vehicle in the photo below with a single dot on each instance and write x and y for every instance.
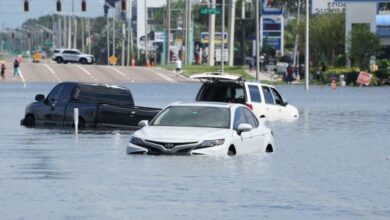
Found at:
(265, 100)
(99, 106)
(72, 56)
(202, 128)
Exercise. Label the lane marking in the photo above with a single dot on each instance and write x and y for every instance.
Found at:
(174, 73)
(163, 76)
(52, 72)
(22, 77)
(88, 73)
(120, 73)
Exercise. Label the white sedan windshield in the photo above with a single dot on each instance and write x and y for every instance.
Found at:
(193, 116)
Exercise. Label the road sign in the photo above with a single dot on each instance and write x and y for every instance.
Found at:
(113, 60)
(364, 78)
(207, 11)
(37, 57)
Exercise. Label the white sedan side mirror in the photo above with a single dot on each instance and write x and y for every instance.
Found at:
(244, 127)
(143, 123)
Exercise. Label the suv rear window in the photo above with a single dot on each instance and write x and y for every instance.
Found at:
(217, 92)
(104, 95)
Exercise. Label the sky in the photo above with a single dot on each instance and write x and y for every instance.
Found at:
(12, 14)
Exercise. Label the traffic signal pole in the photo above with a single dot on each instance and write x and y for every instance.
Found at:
(232, 15)
(257, 40)
(211, 35)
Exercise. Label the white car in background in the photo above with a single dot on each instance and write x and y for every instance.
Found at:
(265, 100)
(202, 128)
(72, 56)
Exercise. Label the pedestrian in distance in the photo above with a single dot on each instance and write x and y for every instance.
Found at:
(16, 68)
(178, 65)
(251, 63)
(289, 76)
(153, 60)
(3, 68)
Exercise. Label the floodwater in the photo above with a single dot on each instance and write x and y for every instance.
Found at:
(332, 163)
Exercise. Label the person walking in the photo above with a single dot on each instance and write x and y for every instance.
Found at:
(290, 71)
(3, 68)
(16, 68)
(178, 65)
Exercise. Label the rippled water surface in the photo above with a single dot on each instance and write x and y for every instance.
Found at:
(332, 163)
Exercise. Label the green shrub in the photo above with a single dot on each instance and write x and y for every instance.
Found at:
(350, 74)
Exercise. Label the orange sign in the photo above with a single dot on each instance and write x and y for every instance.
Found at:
(364, 78)
(113, 60)
(37, 56)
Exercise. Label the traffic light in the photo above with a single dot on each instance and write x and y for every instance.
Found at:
(58, 6)
(26, 6)
(12, 35)
(83, 5)
(28, 35)
(124, 8)
(106, 7)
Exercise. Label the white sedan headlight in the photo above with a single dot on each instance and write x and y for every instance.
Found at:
(211, 143)
(136, 141)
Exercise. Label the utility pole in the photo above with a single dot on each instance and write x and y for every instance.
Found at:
(307, 47)
(223, 37)
(129, 38)
(295, 60)
(146, 33)
(169, 32)
(108, 40)
(70, 32)
(211, 35)
(123, 58)
(232, 15)
(89, 36)
(75, 34)
(257, 40)
(188, 32)
(113, 33)
(82, 35)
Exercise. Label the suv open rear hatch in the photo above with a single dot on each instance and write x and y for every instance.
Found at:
(217, 77)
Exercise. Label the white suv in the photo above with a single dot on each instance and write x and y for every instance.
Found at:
(72, 56)
(265, 100)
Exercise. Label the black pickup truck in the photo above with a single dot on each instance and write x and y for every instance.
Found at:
(99, 106)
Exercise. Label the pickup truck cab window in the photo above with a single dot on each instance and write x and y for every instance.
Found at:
(55, 93)
(255, 93)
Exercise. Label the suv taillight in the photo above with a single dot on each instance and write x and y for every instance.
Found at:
(249, 106)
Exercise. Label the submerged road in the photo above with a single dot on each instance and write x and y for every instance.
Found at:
(53, 72)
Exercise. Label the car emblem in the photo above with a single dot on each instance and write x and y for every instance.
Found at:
(169, 146)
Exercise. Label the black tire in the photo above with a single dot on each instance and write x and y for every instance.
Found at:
(231, 151)
(29, 121)
(59, 60)
(83, 61)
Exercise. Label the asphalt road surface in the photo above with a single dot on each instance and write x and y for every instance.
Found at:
(53, 72)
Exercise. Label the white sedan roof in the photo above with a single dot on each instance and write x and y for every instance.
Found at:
(206, 104)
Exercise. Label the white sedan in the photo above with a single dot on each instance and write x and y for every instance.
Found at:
(202, 128)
